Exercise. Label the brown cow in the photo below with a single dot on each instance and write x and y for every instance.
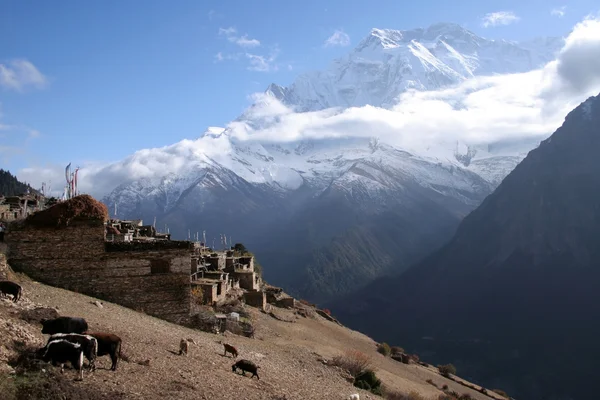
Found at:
(230, 349)
(108, 344)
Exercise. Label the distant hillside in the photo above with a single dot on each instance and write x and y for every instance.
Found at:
(11, 186)
(512, 300)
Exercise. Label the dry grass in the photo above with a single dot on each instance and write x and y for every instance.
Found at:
(401, 396)
(353, 361)
(83, 207)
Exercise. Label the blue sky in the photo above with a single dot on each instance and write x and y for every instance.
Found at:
(98, 80)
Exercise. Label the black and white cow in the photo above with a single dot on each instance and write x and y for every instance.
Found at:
(64, 325)
(88, 343)
(62, 351)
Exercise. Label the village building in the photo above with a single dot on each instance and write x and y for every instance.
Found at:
(13, 208)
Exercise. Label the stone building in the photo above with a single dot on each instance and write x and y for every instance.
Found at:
(71, 252)
(13, 208)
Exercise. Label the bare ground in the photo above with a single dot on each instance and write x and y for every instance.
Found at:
(288, 354)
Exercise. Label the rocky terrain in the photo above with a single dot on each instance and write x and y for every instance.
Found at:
(290, 351)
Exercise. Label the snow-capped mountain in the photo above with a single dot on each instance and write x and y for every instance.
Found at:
(327, 215)
(388, 62)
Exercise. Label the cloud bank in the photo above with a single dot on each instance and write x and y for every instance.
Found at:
(478, 111)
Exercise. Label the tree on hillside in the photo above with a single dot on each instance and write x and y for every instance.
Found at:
(240, 248)
(11, 186)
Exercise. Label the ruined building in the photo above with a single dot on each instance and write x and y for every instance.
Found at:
(13, 208)
(218, 272)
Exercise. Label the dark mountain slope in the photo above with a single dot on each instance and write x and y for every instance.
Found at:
(11, 186)
(514, 298)
(333, 246)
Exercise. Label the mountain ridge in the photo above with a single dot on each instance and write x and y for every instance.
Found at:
(275, 193)
(516, 279)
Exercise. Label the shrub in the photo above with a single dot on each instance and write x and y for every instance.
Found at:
(465, 396)
(367, 380)
(326, 311)
(431, 382)
(501, 393)
(414, 358)
(384, 349)
(397, 350)
(445, 387)
(197, 295)
(447, 370)
(240, 248)
(353, 361)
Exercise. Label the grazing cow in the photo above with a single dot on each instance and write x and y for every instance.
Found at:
(108, 344)
(64, 325)
(183, 347)
(88, 344)
(62, 351)
(246, 366)
(9, 287)
(230, 349)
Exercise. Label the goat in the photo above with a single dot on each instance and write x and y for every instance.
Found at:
(183, 347)
(230, 349)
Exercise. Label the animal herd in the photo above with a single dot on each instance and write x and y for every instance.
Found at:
(71, 342)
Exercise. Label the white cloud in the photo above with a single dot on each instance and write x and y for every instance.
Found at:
(499, 18)
(211, 14)
(262, 63)
(227, 31)
(480, 110)
(242, 41)
(558, 12)
(225, 57)
(576, 71)
(338, 38)
(20, 74)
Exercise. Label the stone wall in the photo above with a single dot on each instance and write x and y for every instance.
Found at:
(247, 279)
(76, 258)
(256, 299)
(286, 302)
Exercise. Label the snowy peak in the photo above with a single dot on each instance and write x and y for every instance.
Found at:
(384, 38)
(388, 62)
(392, 38)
